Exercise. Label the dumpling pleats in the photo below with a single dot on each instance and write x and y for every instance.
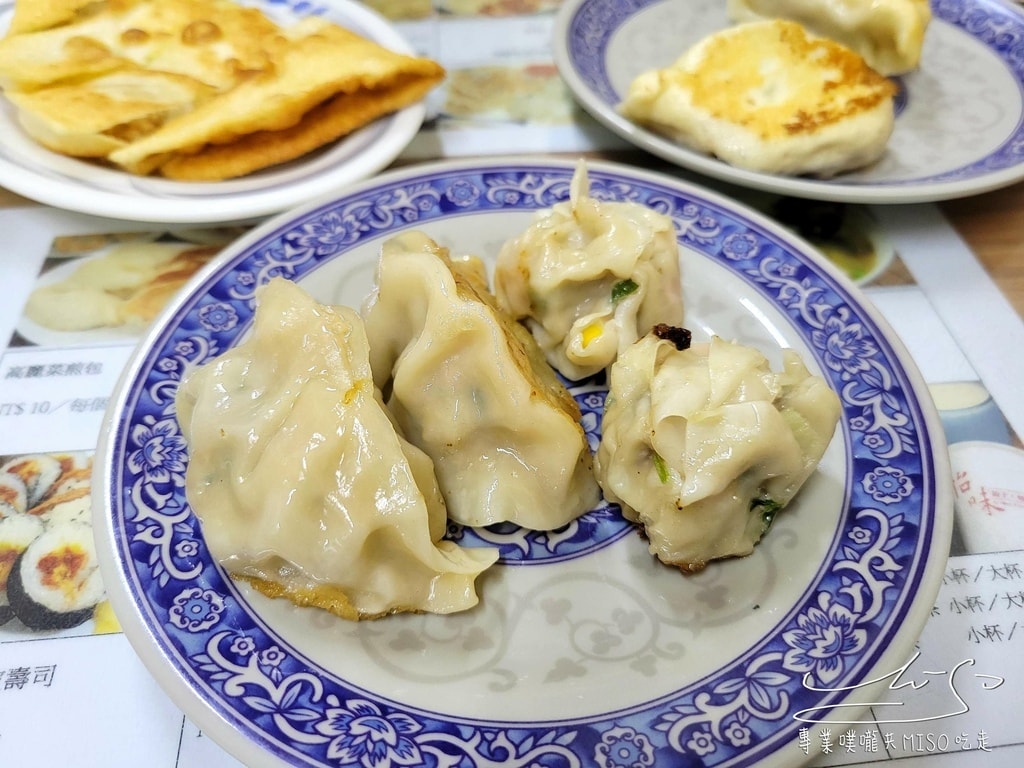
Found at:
(300, 478)
(470, 387)
(588, 277)
(702, 446)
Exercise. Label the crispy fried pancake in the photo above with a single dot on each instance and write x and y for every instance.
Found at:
(766, 96)
(889, 34)
(195, 89)
(212, 41)
(95, 118)
(43, 14)
(325, 85)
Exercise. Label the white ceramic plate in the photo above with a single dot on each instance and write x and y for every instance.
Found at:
(64, 182)
(960, 116)
(584, 650)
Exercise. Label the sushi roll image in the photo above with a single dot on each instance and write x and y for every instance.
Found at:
(71, 505)
(38, 471)
(17, 531)
(55, 582)
(13, 494)
(76, 475)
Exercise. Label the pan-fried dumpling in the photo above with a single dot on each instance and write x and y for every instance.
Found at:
(302, 484)
(702, 445)
(589, 277)
(469, 387)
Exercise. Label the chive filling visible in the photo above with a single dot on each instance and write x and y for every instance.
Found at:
(769, 508)
(661, 468)
(622, 289)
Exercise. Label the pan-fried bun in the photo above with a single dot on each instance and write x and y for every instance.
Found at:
(766, 96)
(889, 34)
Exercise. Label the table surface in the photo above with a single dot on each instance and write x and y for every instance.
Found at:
(992, 224)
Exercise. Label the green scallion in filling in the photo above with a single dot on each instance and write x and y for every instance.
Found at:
(622, 289)
(661, 468)
(769, 508)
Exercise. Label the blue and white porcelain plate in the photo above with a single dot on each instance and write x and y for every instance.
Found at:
(584, 650)
(959, 117)
(34, 172)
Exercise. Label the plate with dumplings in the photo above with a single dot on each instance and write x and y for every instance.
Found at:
(521, 462)
(900, 101)
(183, 111)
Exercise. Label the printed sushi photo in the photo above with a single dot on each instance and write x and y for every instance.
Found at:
(50, 581)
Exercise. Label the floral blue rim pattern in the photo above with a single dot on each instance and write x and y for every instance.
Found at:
(1001, 29)
(738, 715)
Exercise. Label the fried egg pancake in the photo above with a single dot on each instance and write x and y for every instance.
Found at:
(768, 97)
(198, 90)
(95, 118)
(324, 85)
(216, 42)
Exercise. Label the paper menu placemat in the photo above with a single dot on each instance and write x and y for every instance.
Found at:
(973, 311)
(956, 698)
(502, 89)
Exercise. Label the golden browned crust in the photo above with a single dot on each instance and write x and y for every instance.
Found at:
(525, 353)
(196, 90)
(214, 42)
(325, 123)
(324, 596)
(827, 82)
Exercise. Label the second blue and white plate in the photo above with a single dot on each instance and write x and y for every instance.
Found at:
(584, 650)
(959, 116)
